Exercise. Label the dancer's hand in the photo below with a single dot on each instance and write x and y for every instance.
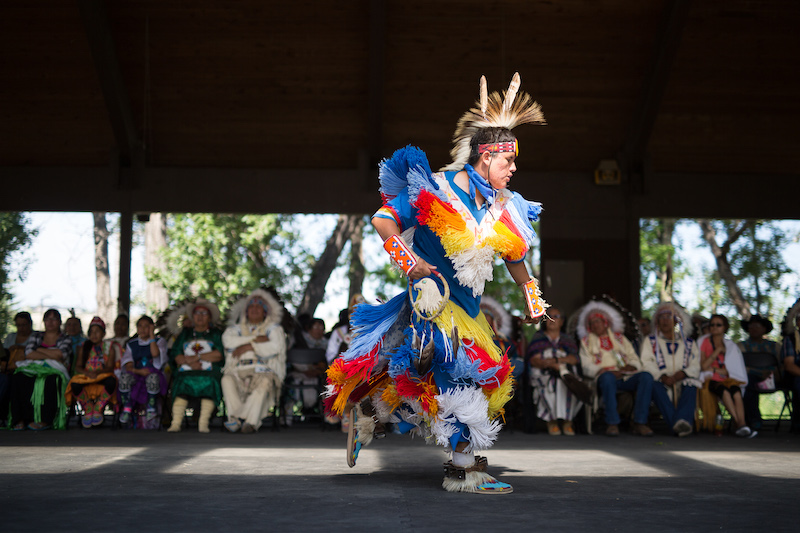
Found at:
(422, 269)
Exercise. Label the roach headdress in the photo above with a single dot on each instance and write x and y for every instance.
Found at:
(510, 110)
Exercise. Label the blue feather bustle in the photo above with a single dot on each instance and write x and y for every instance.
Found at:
(393, 173)
(370, 323)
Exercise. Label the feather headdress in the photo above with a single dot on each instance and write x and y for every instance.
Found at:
(680, 314)
(615, 321)
(789, 325)
(173, 317)
(502, 320)
(272, 308)
(510, 110)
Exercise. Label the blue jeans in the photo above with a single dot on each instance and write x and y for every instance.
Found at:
(641, 384)
(686, 403)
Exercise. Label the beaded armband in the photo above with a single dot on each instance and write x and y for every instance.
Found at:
(533, 297)
(400, 253)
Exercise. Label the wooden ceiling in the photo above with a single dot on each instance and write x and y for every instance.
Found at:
(287, 106)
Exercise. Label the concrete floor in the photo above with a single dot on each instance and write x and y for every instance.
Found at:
(297, 479)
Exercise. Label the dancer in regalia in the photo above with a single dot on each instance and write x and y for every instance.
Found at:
(425, 360)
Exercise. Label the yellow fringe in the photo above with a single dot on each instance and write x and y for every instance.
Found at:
(390, 396)
(451, 229)
(507, 243)
(476, 329)
(499, 397)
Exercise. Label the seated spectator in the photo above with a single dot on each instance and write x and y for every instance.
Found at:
(500, 322)
(14, 347)
(723, 373)
(757, 326)
(40, 380)
(314, 334)
(122, 326)
(94, 383)
(791, 360)
(307, 374)
(673, 359)
(699, 326)
(608, 357)
(142, 380)
(340, 335)
(551, 354)
(74, 330)
(255, 363)
(197, 357)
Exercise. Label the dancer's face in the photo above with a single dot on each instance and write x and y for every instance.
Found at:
(501, 167)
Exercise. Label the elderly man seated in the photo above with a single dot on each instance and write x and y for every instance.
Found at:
(255, 344)
(608, 357)
(673, 358)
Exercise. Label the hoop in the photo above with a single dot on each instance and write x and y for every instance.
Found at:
(445, 299)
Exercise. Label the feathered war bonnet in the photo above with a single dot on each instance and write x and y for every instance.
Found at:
(508, 111)
(273, 310)
(682, 319)
(173, 318)
(502, 320)
(612, 316)
(789, 323)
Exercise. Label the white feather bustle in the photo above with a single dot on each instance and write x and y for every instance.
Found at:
(474, 267)
(615, 321)
(678, 310)
(502, 320)
(238, 312)
(470, 407)
(382, 409)
(470, 484)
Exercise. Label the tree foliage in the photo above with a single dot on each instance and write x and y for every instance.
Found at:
(660, 266)
(755, 268)
(220, 256)
(15, 235)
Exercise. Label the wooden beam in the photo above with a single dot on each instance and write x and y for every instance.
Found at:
(125, 248)
(632, 153)
(261, 190)
(375, 92)
(101, 44)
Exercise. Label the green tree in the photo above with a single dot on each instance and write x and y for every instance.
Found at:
(661, 267)
(15, 235)
(220, 256)
(749, 262)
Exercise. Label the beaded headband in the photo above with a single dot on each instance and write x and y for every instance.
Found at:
(495, 148)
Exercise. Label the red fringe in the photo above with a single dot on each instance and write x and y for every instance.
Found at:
(424, 391)
(477, 353)
(505, 218)
(424, 202)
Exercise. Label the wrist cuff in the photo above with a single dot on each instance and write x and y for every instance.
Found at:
(400, 253)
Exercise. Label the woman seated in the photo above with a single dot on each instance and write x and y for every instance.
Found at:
(14, 347)
(142, 380)
(552, 354)
(255, 344)
(94, 382)
(37, 387)
(724, 373)
(197, 359)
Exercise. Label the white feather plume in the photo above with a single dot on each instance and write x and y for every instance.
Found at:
(470, 407)
(615, 321)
